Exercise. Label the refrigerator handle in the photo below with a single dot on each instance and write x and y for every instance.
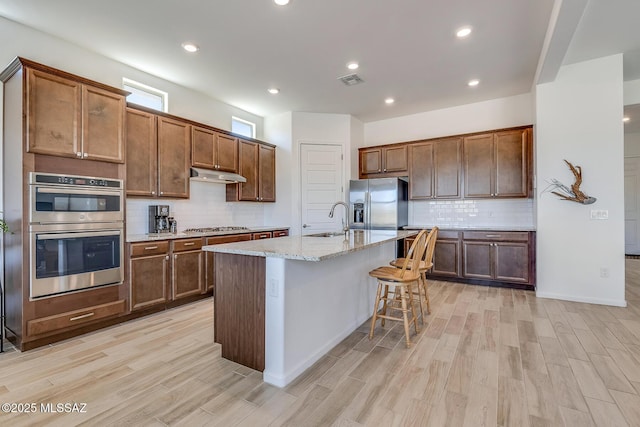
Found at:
(367, 210)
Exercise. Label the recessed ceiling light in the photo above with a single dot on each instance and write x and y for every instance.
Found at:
(473, 82)
(463, 32)
(281, 2)
(352, 65)
(625, 119)
(273, 90)
(190, 47)
(389, 101)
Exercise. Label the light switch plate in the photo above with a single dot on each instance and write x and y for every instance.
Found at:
(599, 214)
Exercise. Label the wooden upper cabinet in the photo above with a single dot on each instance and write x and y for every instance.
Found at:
(174, 157)
(258, 165)
(384, 161)
(267, 174)
(53, 114)
(72, 119)
(214, 150)
(479, 170)
(497, 164)
(142, 153)
(512, 163)
(434, 169)
(103, 115)
(370, 161)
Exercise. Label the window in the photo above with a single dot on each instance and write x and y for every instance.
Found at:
(146, 96)
(243, 127)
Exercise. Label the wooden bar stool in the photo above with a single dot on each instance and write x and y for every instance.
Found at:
(425, 264)
(395, 289)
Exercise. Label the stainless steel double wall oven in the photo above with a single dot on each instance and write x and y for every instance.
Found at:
(76, 228)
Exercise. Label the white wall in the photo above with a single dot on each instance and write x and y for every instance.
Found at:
(632, 92)
(579, 119)
(480, 116)
(278, 131)
(632, 144)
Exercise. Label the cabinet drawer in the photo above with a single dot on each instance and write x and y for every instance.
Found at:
(74, 318)
(498, 236)
(448, 235)
(280, 233)
(149, 248)
(187, 244)
(263, 235)
(216, 240)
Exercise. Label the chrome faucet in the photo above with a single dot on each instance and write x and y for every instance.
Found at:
(345, 225)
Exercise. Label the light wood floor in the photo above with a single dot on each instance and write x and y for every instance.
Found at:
(488, 357)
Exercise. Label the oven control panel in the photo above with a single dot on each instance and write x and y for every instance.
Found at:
(80, 181)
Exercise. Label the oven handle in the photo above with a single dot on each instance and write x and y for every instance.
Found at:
(83, 191)
(55, 236)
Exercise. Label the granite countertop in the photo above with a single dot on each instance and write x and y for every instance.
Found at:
(474, 227)
(133, 238)
(308, 248)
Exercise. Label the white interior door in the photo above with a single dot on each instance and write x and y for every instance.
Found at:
(632, 205)
(322, 184)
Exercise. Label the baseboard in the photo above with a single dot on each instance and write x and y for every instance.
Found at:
(600, 301)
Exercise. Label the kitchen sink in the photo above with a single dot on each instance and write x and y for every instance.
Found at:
(327, 234)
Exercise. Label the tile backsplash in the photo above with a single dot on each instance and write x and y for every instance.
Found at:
(207, 207)
(451, 213)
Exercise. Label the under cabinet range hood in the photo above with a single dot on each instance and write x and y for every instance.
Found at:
(216, 177)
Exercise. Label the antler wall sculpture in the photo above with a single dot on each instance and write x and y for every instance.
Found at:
(572, 193)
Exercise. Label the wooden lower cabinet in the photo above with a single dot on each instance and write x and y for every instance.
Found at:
(280, 233)
(263, 235)
(187, 268)
(484, 257)
(149, 274)
(499, 256)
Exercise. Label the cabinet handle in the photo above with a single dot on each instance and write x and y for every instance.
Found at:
(82, 316)
(189, 244)
(493, 235)
(85, 155)
(148, 248)
(167, 257)
(78, 154)
(257, 198)
(153, 192)
(175, 256)
(162, 192)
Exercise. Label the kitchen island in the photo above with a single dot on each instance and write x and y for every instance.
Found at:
(281, 304)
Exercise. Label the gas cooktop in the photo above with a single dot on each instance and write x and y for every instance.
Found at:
(214, 229)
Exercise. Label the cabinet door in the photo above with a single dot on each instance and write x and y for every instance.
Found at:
(421, 168)
(187, 273)
(370, 161)
(478, 166)
(103, 116)
(446, 261)
(226, 153)
(174, 157)
(512, 169)
(53, 114)
(203, 147)
(447, 166)
(142, 156)
(395, 159)
(267, 174)
(512, 262)
(249, 153)
(477, 260)
(148, 280)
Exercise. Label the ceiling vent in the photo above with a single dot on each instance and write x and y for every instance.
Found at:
(351, 79)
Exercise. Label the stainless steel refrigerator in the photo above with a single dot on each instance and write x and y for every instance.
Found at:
(379, 204)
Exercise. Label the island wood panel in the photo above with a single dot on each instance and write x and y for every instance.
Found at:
(239, 308)
(209, 260)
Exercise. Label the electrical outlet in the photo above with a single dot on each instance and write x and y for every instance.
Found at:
(599, 214)
(604, 272)
(273, 288)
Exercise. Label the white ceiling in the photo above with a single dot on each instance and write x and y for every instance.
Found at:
(407, 49)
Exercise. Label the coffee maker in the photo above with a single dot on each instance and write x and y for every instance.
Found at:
(159, 219)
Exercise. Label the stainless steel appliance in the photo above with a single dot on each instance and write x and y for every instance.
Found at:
(76, 233)
(159, 219)
(380, 203)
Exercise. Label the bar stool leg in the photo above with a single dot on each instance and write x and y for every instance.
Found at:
(405, 310)
(414, 317)
(426, 291)
(385, 300)
(375, 310)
